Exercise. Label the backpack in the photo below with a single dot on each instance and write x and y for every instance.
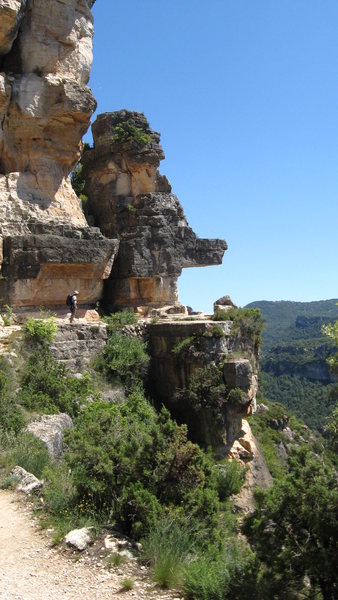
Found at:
(69, 300)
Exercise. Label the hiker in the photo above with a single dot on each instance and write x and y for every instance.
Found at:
(72, 303)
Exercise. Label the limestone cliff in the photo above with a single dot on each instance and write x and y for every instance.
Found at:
(181, 349)
(45, 108)
(130, 199)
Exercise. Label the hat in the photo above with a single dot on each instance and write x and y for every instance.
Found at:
(76, 292)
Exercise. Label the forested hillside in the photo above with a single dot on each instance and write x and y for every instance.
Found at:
(294, 356)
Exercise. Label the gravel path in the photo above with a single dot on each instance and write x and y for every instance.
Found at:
(31, 570)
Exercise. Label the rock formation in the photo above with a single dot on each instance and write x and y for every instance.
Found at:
(246, 451)
(27, 483)
(50, 429)
(131, 200)
(45, 108)
(204, 343)
(141, 240)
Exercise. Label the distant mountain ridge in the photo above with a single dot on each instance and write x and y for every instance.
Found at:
(286, 320)
(294, 356)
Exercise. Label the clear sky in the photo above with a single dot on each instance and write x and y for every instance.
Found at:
(244, 94)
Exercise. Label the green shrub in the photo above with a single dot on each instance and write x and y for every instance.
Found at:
(59, 490)
(47, 386)
(41, 330)
(183, 347)
(216, 331)
(124, 359)
(11, 417)
(119, 319)
(131, 462)
(221, 315)
(294, 529)
(7, 316)
(230, 478)
(221, 574)
(127, 584)
(127, 130)
(78, 181)
(167, 548)
(206, 390)
(138, 510)
(247, 322)
(236, 396)
(29, 453)
(115, 560)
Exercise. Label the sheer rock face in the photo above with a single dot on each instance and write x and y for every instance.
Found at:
(246, 451)
(170, 371)
(45, 109)
(130, 199)
(47, 263)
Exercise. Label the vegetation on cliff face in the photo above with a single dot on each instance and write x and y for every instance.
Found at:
(127, 131)
(247, 322)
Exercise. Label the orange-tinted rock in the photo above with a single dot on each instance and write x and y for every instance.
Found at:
(45, 109)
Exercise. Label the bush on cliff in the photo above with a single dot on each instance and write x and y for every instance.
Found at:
(247, 322)
(127, 131)
(124, 360)
(119, 319)
(206, 390)
(41, 331)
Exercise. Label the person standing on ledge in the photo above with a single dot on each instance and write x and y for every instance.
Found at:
(73, 306)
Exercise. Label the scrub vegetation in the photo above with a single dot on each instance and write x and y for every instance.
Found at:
(130, 466)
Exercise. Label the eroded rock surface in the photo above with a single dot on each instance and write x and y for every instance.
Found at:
(11, 14)
(45, 109)
(131, 200)
(27, 482)
(179, 349)
(247, 452)
(50, 429)
(75, 346)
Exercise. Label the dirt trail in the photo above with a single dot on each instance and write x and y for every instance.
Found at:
(31, 570)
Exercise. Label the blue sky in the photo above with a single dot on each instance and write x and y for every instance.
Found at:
(244, 94)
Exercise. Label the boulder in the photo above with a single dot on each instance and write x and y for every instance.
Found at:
(79, 538)
(224, 303)
(50, 430)
(28, 483)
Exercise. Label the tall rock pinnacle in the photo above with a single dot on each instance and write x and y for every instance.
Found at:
(132, 201)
